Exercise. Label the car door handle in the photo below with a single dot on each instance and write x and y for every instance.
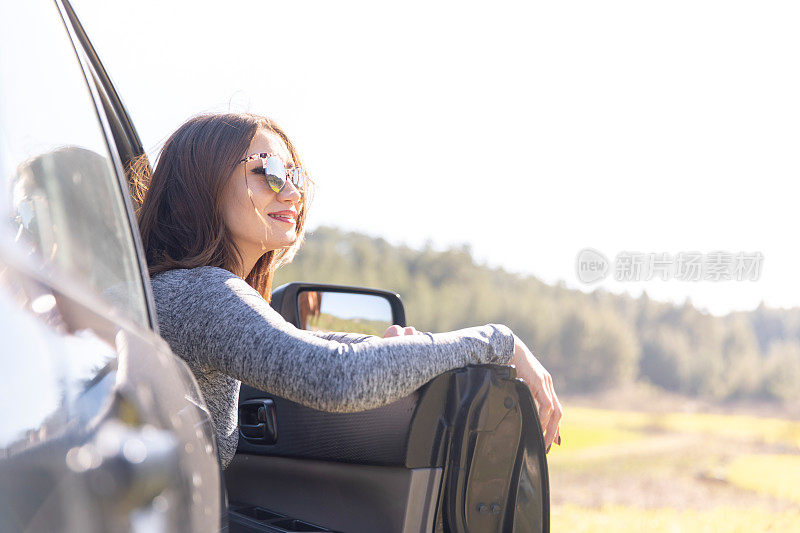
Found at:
(127, 465)
(258, 422)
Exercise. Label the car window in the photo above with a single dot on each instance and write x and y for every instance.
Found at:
(60, 191)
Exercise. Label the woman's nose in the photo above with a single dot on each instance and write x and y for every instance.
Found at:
(289, 193)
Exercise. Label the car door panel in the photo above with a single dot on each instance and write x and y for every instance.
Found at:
(471, 449)
(496, 475)
(376, 436)
(337, 495)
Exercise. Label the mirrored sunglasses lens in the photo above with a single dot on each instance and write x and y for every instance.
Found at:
(275, 173)
(299, 178)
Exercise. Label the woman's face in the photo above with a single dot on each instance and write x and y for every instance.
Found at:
(260, 219)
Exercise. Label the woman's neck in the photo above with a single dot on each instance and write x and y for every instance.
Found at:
(248, 263)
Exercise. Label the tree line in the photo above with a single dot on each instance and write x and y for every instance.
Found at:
(588, 342)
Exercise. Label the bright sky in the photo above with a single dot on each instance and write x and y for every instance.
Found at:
(528, 130)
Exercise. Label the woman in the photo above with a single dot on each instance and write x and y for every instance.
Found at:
(225, 206)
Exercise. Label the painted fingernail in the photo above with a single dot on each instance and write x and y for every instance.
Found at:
(558, 440)
(548, 448)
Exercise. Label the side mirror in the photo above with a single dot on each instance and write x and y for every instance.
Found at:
(321, 307)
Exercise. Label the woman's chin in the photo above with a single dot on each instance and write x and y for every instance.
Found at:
(291, 237)
(280, 241)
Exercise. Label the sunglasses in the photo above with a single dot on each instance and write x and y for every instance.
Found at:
(276, 173)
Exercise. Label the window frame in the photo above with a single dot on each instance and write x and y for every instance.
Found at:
(118, 132)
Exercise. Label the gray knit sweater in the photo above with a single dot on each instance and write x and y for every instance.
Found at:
(229, 334)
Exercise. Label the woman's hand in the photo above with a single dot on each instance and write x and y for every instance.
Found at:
(535, 376)
(541, 385)
(400, 331)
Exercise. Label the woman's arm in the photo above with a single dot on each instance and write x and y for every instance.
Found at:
(221, 322)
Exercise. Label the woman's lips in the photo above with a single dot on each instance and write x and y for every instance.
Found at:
(283, 216)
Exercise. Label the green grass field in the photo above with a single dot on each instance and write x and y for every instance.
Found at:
(650, 471)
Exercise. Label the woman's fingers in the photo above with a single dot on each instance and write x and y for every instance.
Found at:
(399, 331)
(552, 426)
(548, 416)
(545, 406)
(540, 384)
(558, 414)
(393, 331)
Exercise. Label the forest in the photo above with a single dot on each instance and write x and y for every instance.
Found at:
(588, 341)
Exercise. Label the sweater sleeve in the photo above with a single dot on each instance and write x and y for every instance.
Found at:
(226, 325)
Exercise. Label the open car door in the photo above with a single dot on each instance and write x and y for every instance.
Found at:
(463, 453)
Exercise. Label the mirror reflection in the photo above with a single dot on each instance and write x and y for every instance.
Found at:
(342, 311)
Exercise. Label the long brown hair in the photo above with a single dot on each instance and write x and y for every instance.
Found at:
(179, 204)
